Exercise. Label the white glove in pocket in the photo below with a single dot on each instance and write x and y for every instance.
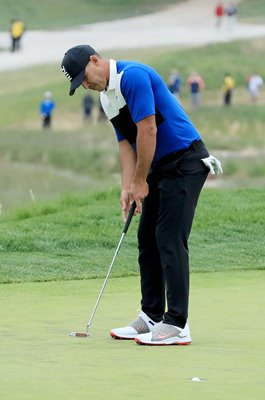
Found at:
(213, 164)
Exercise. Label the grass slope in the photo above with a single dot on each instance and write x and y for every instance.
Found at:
(252, 11)
(240, 58)
(39, 360)
(76, 238)
(37, 15)
(73, 157)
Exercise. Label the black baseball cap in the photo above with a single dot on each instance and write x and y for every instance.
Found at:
(74, 64)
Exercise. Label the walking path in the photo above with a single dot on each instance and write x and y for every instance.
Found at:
(190, 23)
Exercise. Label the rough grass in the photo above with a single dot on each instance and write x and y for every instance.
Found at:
(73, 157)
(37, 15)
(252, 11)
(240, 58)
(76, 238)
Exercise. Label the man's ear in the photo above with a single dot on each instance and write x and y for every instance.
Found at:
(94, 59)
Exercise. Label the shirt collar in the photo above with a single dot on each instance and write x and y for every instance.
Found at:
(112, 75)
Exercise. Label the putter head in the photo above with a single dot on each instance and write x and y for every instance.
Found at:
(80, 334)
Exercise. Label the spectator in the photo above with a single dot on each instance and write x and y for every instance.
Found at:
(255, 83)
(228, 86)
(46, 109)
(175, 83)
(17, 30)
(219, 14)
(88, 104)
(97, 113)
(196, 85)
(231, 12)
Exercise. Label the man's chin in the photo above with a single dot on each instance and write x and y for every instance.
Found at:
(98, 88)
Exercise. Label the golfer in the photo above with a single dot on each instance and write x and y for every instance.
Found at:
(164, 165)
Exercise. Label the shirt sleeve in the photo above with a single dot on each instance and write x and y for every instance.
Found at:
(119, 136)
(136, 88)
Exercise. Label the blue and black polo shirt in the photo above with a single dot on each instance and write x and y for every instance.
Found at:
(136, 91)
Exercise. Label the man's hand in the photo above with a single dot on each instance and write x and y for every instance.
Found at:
(125, 201)
(138, 192)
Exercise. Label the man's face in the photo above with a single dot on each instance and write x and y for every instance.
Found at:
(95, 78)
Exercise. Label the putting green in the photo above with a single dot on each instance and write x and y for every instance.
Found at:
(39, 360)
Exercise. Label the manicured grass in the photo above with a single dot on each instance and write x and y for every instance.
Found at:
(56, 14)
(76, 238)
(39, 360)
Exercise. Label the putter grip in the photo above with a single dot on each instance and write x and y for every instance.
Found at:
(129, 217)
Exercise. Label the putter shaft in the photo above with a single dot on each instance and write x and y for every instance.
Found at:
(104, 283)
(126, 226)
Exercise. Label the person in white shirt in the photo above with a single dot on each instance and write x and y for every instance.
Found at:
(255, 83)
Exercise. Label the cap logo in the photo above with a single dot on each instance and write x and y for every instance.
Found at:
(68, 76)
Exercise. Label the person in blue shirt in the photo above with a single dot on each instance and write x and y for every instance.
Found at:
(46, 109)
(164, 164)
(175, 83)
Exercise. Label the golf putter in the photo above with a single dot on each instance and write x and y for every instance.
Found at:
(125, 229)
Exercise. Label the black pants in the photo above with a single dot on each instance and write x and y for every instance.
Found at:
(163, 233)
(228, 98)
(46, 122)
(15, 44)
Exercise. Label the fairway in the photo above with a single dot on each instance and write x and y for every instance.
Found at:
(39, 360)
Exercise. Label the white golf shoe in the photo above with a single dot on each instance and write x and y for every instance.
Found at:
(165, 335)
(141, 325)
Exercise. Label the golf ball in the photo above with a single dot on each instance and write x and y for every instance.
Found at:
(195, 379)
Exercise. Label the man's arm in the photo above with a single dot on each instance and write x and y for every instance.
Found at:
(134, 169)
(146, 144)
(128, 163)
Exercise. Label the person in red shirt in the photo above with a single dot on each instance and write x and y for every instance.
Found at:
(219, 13)
(196, 85)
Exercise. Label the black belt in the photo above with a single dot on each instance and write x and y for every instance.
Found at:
(196, 145)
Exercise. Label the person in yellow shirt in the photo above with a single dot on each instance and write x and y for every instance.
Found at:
(17, 30)
(228, 86)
